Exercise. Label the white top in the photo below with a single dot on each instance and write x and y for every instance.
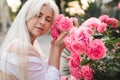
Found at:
(38, 69)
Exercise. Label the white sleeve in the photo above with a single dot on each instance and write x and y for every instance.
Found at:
(40, 70)
(37, 68)
(10, 65)
(52, 74)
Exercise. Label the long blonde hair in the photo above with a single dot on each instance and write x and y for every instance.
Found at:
(19, 30)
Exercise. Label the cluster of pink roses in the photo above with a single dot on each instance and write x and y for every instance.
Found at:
(61, 24)
(100, 24)
(81, 42)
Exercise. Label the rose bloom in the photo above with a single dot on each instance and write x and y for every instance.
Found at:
(78, 40)
(87, 72)
(109, 21)
(114, 23)
(73, 33)
(61, 24)
(102, 28)
(92, 23)
(75, 60)
(54, 33)
(78, 47)
(68, 44)
(65, 24)
(83, 35)
(96, 50)
(76, 72)
(103, 18)
(59, 18)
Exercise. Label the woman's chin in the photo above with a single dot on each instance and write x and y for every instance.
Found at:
(38, 34)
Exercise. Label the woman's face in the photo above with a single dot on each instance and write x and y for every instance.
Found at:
(41, 23)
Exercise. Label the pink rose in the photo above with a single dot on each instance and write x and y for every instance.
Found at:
(87, 72)
(68, 44)
(102, 28)
(83, 36)
(72, 32)
(78, 47)
(54, 33)
(109, 21)
(103, 18)
(76, 72)
(91, 23)
(61, 24)
(59, 18)
(114, 23)
(74, 60)
(96, 50)
(78, 40)
(65, 24)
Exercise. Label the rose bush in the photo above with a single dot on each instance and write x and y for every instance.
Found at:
(93, 47)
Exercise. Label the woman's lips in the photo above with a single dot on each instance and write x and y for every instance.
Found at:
(41, 29)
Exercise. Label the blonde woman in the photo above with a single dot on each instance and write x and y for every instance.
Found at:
(20, 54)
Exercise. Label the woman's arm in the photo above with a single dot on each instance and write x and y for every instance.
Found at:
(56, 49)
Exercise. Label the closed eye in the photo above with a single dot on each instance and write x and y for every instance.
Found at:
(38, 16)
(49, 19)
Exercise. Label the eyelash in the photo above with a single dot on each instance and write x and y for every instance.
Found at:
(49, 20)
(38, 16)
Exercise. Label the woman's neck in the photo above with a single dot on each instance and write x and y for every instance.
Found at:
(32, 39)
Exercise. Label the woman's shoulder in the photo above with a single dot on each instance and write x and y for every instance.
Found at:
(13, 46)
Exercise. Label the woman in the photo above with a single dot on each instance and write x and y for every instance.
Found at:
(20, 55)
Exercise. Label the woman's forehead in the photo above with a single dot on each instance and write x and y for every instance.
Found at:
(46, 10)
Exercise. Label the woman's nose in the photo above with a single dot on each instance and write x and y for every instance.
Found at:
(42, 21)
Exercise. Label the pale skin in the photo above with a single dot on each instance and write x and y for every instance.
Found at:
(38, 26)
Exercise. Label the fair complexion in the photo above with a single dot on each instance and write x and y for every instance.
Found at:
(38, 26)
